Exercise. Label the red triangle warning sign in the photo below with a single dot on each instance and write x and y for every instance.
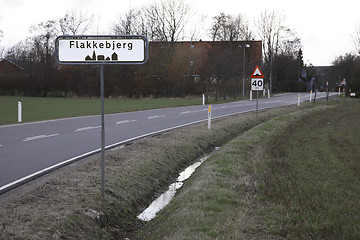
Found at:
(257, 73)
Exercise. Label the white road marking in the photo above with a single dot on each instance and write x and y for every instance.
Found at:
(126, 121)
(0, 145)
(272, 101)
(86, 128)
(194, 111)
(152, 117)
(39, 137)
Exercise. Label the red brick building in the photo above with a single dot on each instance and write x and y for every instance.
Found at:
(10, 69)
(204, 65)
(12, 77)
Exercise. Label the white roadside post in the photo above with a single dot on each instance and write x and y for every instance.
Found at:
(268, 93)
(19, 112)
(250, 95)
(203, 99)
(101, 50)
(209, 117)
(310, 95)
(299, 100)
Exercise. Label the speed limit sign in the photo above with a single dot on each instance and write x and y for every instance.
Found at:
(257, 84)
(257, 80)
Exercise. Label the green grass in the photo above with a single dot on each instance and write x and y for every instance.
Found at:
(311, 176)
(296, 176)
(36, 109)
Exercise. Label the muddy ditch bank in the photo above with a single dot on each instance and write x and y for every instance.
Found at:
(67, 204)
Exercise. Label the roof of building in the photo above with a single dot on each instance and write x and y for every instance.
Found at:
(9, 68)
(7, 60)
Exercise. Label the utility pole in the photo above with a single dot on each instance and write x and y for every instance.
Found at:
(244, 46)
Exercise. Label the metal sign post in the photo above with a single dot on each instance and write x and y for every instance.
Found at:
(101, 50)
(102, 132)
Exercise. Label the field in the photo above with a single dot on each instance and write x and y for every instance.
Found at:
(37, 109)
(292, 176)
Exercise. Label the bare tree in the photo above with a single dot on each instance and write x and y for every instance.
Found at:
(132, 23)
(228, 28)
(279, 44)
(248, 35)
(43, 49)
(2, 50)
(356, 38)
(276, 36)
(270, 27)
(166, 20)
(1, 32)
(290, 45)
(1, 36)
(75, 23)
(218, 29)
(44, 36)
(159, 21)
(196, 27)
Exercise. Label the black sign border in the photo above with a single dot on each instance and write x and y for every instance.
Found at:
(101, 37)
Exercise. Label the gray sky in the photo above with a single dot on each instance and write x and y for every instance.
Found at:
(324, 27)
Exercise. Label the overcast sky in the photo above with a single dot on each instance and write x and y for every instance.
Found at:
(324, 27)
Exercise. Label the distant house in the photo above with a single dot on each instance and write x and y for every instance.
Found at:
(12, 77)
(9, 69)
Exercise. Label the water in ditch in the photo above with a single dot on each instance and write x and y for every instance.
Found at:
(164, 199)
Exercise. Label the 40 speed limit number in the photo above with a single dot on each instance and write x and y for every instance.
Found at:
(257, 84)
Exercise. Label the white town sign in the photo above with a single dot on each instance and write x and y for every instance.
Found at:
(101, 49)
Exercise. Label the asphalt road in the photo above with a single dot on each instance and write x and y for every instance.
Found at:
(29, 150)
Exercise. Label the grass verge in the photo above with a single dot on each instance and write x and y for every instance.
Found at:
(294, 177)
(310, 179)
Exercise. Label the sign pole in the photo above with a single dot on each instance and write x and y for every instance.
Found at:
(257, 104)
(102, 132)
(257, 84)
